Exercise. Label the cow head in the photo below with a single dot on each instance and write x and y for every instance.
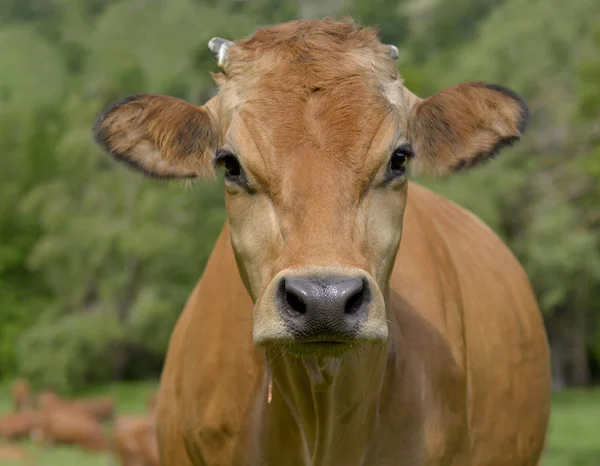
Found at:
(315, 132)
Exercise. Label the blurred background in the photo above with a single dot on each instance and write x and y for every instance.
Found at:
(96, 262)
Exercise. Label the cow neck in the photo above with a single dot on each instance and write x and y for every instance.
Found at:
(334, 402)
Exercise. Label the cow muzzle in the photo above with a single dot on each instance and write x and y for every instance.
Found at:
(320, 310)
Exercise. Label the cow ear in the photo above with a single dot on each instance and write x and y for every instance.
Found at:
(163, 137)
(464, 125)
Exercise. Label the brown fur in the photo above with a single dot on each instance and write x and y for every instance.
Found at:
(17, 426)
(450, 365)
(60, 424)
(100, 408)
(134, 441)
(134, 438)
(21, 395)
(14, 453)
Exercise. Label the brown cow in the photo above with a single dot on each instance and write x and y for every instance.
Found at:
(63, 423)
(101, 408)
(315, 335)
(21, 395)
(16, 426)
(14, 454)
(134, 441)
(134, 437)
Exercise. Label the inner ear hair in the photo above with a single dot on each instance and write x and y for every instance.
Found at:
(161, 136)
(466, 125)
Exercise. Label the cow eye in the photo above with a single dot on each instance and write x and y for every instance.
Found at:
(233, 169)
(399, 159)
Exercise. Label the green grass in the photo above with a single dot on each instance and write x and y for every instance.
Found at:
(573, 439)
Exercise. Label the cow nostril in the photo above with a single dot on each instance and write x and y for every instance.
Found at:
(295, 303)
(355, 301)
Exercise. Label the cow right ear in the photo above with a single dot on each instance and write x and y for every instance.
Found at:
(161, 136)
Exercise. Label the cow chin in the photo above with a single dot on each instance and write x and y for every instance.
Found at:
(320, 311)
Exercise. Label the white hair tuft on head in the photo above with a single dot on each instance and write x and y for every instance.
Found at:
(219, 48)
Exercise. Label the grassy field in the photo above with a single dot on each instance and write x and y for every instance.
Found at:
(574, 437)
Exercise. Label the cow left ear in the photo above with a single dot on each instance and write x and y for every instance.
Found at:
(463, 125)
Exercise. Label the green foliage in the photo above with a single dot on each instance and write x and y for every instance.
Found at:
(152, 320)
(441, 27)
(386, 15)
(70, 352)
(24, 49)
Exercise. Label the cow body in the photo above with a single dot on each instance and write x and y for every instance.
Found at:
(62, 424)
(17, 426)
(465, 378)
(100, 408)
(346, 317)
(134, 438)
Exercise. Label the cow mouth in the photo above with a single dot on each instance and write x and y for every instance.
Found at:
(307, 348)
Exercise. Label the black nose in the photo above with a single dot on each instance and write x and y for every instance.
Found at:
(324, 307)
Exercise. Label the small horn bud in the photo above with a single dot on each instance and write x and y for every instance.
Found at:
(394, 52)
(219, 47)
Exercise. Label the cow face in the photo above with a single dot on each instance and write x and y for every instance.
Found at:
(315, 133)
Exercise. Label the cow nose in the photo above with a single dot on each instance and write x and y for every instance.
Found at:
(324, 307)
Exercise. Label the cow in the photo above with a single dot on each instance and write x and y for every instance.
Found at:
(101, 408)
(134, 441)
(12, 454)
(134, 437)
(346, 316)
(17, 426)
(21, 395)
(64, 424)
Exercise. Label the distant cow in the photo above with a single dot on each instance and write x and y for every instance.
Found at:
(21, 395)
(64, 424)
(19, 425)
(134, 437)
(14, 453)
(347, 316)
(101, 408)
(134, 440)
